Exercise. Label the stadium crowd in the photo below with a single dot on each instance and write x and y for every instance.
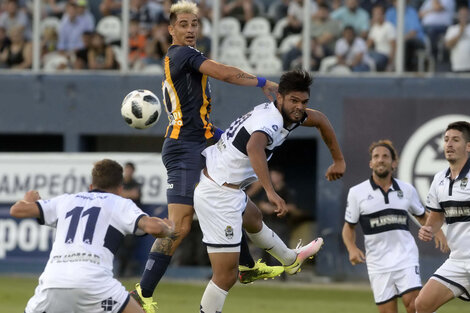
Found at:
(256, 35)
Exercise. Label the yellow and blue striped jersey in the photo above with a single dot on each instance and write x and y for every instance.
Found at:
(186, 95)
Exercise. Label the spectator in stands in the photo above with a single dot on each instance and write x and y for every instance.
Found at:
(381, 40)
(51, 7)
(49, 40)
(277, 10)
(414, 35)
(131, 189)
(350, 53)
(71, 28)
(137, 43)
(4, 41)
(242, 10)
(295, 16)
(293, 58)
(325, 29)
(157, 45)
(81, 55)
(110, 7)
(436, 16)
(100, 55)
(203, 42)
(164, 14)
(145, 12)
(14, 16)
(19, 54)
(84, 13)
(351, 14)
(368, 5)
(457, 40)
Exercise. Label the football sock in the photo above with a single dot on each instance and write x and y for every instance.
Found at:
(245, 258)
(268, 240)
(155, 268)
(213, 299)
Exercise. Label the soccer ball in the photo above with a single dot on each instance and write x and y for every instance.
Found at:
(141, 109)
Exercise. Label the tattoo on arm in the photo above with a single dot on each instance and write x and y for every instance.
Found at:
(247, 76)
(162, 245)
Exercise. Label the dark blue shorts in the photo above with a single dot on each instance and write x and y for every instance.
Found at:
(183, 162)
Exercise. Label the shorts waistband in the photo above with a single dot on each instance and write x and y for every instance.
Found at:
(232, 186)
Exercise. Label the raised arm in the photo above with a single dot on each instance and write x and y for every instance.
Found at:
(27, 207)
(255, 149)
(234, 75)
(320, 121)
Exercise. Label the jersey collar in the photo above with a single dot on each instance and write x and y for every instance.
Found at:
(98, 190)
(394, 186)
(463, 172)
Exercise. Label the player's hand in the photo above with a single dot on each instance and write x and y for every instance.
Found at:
(270, 89)
(336, 170)
(441, 242)
(356, 256)
(425, 233)
(32, 196)
(279, 203)
(169, 229)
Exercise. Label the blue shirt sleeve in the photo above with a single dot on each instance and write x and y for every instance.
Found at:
(191, 57)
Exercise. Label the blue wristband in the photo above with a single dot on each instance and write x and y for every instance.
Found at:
(218, 133)
(261, 82)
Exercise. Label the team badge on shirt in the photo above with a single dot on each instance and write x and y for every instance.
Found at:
(463, 183)
(107, 305)
(400, 194)
(229, 232)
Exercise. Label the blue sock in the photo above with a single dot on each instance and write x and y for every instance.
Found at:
(155, 268)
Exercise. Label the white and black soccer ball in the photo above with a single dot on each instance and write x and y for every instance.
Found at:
(141, 109)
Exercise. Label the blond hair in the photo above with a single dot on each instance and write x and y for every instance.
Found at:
(182, 7)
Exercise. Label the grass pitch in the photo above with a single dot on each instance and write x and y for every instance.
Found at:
(261, 297)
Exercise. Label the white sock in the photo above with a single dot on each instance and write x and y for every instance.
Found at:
(268, 240)
(213, 299)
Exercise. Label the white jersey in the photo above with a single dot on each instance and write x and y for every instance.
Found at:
(228, 162)
(90, 227)
(384, 220)
(452, 197)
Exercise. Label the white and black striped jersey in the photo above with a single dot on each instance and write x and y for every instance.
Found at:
(452, 197)
(90, 228)
(228, 162)
(383, 216)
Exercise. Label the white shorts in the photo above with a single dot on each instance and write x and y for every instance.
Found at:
(219, 210)
(455, 275)
(387, 286)
(69, 300)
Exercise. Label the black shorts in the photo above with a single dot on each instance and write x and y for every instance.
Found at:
(183, 162)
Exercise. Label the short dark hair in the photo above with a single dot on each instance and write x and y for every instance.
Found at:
(297, 80)
(106, 174)
(130, 164)
(384, 143)
(461, 126)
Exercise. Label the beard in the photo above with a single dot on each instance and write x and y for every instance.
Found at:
(383, 174)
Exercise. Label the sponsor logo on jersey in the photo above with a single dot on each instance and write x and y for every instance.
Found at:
(229, 232)
(388, 220)
(423, 153)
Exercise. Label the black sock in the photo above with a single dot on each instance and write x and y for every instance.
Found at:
(245, 257)
(155, 268)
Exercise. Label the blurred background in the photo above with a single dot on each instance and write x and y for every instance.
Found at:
(383, 69)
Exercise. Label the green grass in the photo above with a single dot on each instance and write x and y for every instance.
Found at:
(180, 297)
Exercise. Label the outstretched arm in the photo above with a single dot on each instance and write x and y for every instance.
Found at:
(233, 75)
(27, 207)
(255, 149)
(319, 120)
(157, 227)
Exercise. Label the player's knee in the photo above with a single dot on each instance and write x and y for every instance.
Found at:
(420, 305)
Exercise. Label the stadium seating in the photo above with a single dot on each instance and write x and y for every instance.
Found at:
(262, 47)
(278, 29)
(110, 28)
(288, 43)
(269, 66)
(257, 26)
(236, 41)
(229, 26)
(55, 61)
(235, 58)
